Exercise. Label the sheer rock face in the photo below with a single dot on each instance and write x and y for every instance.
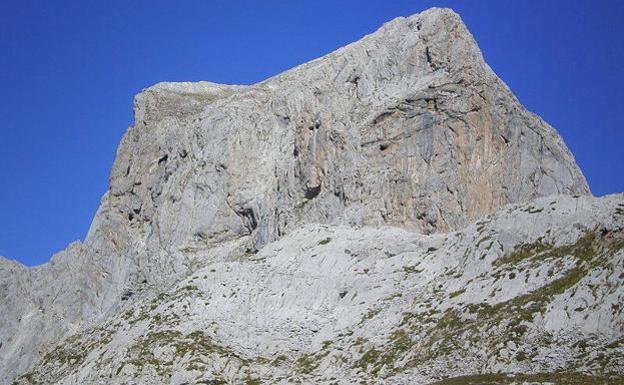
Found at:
(407, 127)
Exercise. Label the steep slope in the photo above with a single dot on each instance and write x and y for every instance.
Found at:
(534, 289)
(407, 127)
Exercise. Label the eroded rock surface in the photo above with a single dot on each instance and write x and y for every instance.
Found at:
(405, 137)
(533, 289)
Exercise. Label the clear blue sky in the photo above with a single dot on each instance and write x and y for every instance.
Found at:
(69, 70)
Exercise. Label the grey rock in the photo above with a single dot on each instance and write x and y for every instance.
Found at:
(407, 131)
(534, 288)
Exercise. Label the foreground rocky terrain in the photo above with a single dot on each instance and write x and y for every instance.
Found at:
(388, 213)
(534, 288)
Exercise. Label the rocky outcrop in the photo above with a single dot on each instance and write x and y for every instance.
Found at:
(533, 289)
(407, 128)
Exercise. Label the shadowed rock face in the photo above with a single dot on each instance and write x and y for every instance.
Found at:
(407, 127)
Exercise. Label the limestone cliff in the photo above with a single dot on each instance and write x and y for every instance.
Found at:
(407, 131)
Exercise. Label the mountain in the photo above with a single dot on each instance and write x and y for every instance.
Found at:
(388, 213)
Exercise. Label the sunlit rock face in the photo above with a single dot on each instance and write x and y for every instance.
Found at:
(406, 127)
(343, 201)
(534, 289)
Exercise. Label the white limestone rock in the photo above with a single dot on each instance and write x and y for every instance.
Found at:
(406, 134)
(535, 288)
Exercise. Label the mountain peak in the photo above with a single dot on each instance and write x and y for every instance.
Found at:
(406, 131)
(407, 126)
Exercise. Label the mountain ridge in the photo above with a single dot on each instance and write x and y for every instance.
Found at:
(407, 128)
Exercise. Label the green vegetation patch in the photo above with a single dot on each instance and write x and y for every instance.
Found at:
(532, 209)
(325, 241)
(375, 359)
(524, 252)
(457, 293)
(412, 270)
(540, 378)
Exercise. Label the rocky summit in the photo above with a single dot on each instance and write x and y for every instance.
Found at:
(386, 214)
